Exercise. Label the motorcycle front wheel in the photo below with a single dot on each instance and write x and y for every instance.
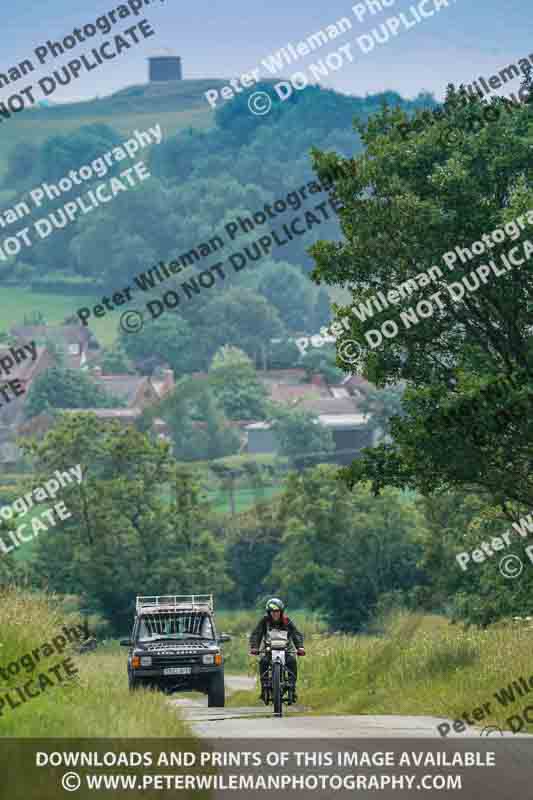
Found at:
(276, 689)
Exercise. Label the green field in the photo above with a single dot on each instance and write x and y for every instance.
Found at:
(245, 499)
(55, 307)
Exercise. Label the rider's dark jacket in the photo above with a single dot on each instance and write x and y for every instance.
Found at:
(259, 633)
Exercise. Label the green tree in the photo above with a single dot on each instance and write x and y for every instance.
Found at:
(322, 315)
(234, 382)
(478, 594)
(283, 354)
(21, 163)
(253, 542)
(342, 551)
(198, 427)
(61, 387)
(322, 361)
(301, 437)
(383, 405)
(115, 361)
(168, 340)
(242, 318)
(432, 197)
(290, 292)
(125, 537)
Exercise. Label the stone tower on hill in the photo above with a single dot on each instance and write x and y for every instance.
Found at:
(165, 68)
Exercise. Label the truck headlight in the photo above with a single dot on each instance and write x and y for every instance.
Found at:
(146, 661)
(208, 659)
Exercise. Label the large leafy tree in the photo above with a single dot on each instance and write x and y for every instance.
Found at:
(242, 318)
(197, 423)
(480, 594)
(341, 551)
(235, 384)
(61, 387)
(301, 436)
(125, 536)
(383, 405)
(410, 199)
(322, 360)
(291, 292)
(253, 541)
(168, 340)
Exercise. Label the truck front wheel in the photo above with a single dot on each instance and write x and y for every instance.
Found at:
(215, 692)
(134, 683)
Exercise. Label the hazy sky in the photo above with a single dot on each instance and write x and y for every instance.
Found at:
(224, 39)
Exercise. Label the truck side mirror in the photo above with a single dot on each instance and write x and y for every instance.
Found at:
(224, 637)
(125, 642)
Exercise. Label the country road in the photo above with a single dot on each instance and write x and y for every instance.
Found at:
(233, 730)
(258, 721)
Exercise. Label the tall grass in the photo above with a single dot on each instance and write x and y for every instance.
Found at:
(422, 665)
(97, 703)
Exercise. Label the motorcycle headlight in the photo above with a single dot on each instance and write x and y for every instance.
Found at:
(146, 661)
(208, 659)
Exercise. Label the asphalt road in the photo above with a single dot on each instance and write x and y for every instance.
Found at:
(233, 730)
(260, 722)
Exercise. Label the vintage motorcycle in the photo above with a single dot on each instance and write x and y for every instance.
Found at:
(279, 684)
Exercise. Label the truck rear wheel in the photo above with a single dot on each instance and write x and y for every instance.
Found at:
(215, 692)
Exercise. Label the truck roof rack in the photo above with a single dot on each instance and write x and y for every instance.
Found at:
(174, 602)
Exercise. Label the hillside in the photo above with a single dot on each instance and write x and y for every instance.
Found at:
(241, 160)
(179, 104)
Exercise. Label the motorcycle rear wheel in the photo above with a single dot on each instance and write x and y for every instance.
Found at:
(276, 689)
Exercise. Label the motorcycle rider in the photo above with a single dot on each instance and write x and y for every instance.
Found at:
(276, 618)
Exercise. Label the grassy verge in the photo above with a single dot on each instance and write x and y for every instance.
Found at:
(423, 665)
(96, 703)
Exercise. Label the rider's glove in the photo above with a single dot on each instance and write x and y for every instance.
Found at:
(254, 652)
(301, 651)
